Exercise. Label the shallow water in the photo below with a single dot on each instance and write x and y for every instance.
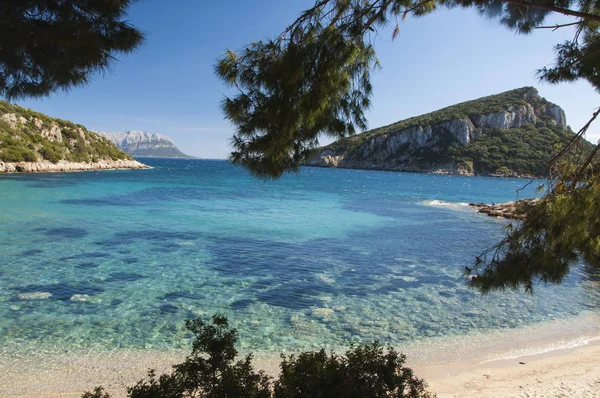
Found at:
(118, 259)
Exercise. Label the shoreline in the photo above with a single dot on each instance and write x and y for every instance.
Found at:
(559, 355)
(442, 172)
(65, 166)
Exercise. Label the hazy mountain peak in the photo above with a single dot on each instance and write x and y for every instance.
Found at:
(142, 143)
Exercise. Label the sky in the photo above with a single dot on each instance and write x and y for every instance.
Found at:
(168, 85)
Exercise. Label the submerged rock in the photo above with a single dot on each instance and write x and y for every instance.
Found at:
(35, 296)
(322, 312)
(85, 298)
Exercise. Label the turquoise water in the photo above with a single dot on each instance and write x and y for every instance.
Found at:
(118, 259)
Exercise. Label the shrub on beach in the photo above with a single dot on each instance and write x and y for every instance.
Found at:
(211, 371)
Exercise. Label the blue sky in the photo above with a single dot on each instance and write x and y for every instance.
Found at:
(168, 85)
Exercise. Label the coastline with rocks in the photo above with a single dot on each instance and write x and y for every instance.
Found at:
(66, 166)
(511, 210)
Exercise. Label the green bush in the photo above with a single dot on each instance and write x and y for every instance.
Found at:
(365, 371)
(80, 152)
(69, 133)
(210, 372)
(17, 154)
(503, 170)
(97, 393)
(50, 154)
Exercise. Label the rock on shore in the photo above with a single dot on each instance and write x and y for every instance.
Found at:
(512, 210)
(62, 166)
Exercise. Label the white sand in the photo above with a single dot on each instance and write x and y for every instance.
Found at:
(570, 373)
(561, 359)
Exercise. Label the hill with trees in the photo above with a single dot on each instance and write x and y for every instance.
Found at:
(31, 141)
(514, 133)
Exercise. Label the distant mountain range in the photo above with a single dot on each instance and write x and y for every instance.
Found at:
(140, 143)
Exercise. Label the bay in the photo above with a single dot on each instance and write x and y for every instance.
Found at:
(322, 258)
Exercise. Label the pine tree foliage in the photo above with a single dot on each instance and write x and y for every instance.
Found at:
(313, 79)
(560, 232)
(562, 229)
(51, 45)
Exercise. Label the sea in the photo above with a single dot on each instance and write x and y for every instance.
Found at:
(323, 258)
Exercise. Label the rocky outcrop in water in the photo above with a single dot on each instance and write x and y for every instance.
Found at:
(140, 143)
(512, 210)
(474, 137)
(62, 166)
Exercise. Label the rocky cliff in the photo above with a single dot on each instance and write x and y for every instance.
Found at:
(140, 143)
(33, 142)
(512, 133)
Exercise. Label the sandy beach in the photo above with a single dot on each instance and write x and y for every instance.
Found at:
(561, 373)
(554, 359)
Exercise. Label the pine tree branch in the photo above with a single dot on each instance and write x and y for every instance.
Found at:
(564, 11)
(557, 26)
(383, 9)
(577, 136)
(415, 7)
(584, 166)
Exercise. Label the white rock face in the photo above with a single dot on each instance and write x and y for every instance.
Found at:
(461, 129)
(513, 118)
(37, 122)
(52, 134)
(329, 161)
(13, 120)
(557, 114)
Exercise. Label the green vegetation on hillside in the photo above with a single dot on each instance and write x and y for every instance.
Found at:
(490, 104)
(24, 142)
(524, 151)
